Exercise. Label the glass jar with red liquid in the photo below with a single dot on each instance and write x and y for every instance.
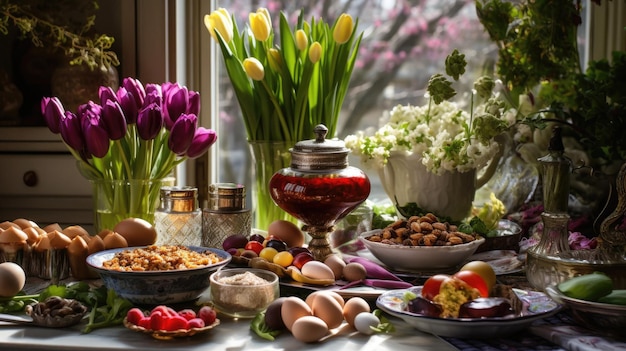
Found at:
(319, 188)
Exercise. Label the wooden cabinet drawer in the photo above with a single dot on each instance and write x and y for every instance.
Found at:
(41, 175)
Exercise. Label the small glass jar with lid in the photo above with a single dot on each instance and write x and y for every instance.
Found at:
(226, 214)
(178, 220)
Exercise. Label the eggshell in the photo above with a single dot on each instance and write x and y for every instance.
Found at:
(309, 329)
(51, 227)
(43, 243)
(136, 231)
(353, 307)
(114, 240)
(293, 309)
(12, 279)
(13, 235)
(58, 240)
(74, 231)
(287, 232)
(317, 270)
(336, 264)
(78, 252)
(24, 223)
(8, 224)
(326, 307)
(33, 234)
(354, 271)
(95, 244)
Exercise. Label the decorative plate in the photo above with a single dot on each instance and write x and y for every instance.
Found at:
(167, 335)
(536, 305)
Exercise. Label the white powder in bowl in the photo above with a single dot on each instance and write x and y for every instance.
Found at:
(246, 278)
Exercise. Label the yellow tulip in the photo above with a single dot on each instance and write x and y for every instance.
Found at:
(301, 40)
(343, 28)
(220, 20)
(276, 61)
(260, 24)
(254, 68)
(315, 52)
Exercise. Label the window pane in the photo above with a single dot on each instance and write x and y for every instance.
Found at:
(404, 43)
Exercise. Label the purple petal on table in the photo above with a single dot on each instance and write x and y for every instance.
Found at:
(149, 122)
(113, 120)
(182, 133)
(53, 112)
(202, 141)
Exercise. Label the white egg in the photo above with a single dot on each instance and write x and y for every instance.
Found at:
(12, 279)
(364, 321)
(317, 270)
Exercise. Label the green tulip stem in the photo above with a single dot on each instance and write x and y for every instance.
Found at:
(279, 111)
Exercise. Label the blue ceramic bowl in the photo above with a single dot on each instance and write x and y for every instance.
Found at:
(157, 287)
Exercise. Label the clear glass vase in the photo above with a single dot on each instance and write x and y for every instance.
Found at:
(115, 200)
(269, 157)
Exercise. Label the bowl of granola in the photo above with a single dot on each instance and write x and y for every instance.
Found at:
(421, 245)
(158, 274)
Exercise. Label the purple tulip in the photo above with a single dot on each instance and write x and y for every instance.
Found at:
(128, 104)
(153, 97)
(114, 121)
(136, 89)
(182, 133)
(194, 103)
(96, 137)
(89, 109)
(71, 131)
(53, 112)
(175, 102)
(106, 93)
(149, 122)
(202, 141)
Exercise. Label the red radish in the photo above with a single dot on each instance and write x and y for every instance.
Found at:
(195, 323)
(187, 313)
(207, 314)
(134, 315)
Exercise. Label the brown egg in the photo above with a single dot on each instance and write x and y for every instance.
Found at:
(114, 240)
(326, 307)
(293, 309)
(309, 329)
(287, 232)
(136, 231)
(336, 264)
(354, 271)
(353, 307)
(309, 299)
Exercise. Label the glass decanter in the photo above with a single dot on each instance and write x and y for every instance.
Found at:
(319, 188)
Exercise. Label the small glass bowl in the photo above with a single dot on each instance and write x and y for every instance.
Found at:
(233, 294)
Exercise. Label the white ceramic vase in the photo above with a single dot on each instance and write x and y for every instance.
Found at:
(406, 180)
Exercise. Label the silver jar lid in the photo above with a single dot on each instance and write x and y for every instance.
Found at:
(319, 153)
(179, 199)
(227, 196)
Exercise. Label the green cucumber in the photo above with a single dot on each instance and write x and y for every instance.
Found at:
(616, 297)
(589, 287)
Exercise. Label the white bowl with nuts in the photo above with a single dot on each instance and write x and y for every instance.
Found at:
(421, 244)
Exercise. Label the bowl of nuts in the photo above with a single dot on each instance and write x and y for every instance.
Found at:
(158, 274)
(421, 244)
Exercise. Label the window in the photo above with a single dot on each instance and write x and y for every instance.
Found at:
(404, 43)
